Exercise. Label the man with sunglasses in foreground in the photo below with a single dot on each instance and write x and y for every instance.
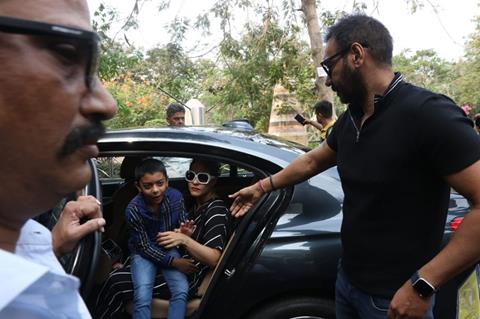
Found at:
(51, 105)
(398, 148)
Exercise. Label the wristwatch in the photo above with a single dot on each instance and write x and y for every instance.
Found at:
(422, 286)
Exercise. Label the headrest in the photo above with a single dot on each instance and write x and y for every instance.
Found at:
(127, 169)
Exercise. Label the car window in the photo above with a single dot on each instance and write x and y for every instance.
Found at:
(176, 166)
(109, 167)
(227, 170)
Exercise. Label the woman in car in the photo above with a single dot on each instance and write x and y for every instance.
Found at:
(202, 243)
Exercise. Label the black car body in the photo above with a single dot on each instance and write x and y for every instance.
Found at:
(282, 258)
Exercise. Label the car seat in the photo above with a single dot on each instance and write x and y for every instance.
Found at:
(126, 192)
(159, 307)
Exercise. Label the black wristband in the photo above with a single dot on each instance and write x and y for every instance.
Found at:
(271, 182)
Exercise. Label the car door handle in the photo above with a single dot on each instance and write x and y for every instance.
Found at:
(229, 273)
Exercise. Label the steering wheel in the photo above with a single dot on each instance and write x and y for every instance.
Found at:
(83, 260)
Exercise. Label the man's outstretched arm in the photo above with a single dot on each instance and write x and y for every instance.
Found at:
(302, 168)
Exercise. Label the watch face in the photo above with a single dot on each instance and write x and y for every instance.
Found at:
(423, 288)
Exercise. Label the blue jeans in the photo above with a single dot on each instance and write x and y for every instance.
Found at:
(143, 277)
(352, 303)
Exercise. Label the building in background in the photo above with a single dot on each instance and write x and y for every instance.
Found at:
(194, 113)
(282, 117)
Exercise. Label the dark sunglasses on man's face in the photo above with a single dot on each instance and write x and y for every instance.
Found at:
(202, 178)
(328, 63)
(87, 41)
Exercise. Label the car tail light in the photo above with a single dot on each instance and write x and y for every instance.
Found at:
(454, 223)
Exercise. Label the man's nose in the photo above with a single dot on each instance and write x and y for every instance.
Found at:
(99, 103)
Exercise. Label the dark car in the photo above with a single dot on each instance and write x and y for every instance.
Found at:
(282, 257)
(240, 125)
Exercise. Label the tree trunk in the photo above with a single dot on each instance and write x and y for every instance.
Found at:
(309, 9)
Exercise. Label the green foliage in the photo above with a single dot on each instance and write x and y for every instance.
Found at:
(469, 79)
(242, 87)
(138, 104)
(238, 82)
(426, 69)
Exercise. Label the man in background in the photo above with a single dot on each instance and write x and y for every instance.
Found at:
(325, 118)
(175, 115)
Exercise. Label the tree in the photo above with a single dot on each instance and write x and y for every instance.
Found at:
(309, 9)
(238, 77)
(467, 82)
(139, 81)
(250, 67)
(426, 69)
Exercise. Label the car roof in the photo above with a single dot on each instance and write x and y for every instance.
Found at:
(253, 143)
(240, 124)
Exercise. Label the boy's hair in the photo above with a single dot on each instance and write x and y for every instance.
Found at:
(366, 31)
(174, 108)
(149, 166)
(324, 107)
(212, 167)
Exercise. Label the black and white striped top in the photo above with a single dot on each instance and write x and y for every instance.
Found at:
(212, 229)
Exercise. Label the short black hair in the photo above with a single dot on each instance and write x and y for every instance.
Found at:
(476, 119)
(365, 30)
(149, 166)
(174, 108)
(213, 167)
(324, 107)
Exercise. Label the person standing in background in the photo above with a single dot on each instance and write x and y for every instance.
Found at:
(175, 115)
(325, 118)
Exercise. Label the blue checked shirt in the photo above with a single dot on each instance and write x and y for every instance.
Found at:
(144, 226)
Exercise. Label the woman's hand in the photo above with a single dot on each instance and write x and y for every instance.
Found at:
(187, 266)
(171, 239)
(186, 228)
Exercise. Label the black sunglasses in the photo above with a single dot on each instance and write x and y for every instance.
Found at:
(327, 63)
(89, 41)
(202, 178)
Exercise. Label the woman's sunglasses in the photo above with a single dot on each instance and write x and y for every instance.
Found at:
(202, 178)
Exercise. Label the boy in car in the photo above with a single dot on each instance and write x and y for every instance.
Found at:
(157, 208)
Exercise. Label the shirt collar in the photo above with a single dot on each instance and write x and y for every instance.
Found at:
(397, 78)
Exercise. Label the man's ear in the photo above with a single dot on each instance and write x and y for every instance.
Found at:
(358, 54)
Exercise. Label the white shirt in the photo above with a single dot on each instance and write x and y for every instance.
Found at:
(33, 284)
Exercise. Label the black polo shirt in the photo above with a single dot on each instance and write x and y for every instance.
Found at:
(392, 171)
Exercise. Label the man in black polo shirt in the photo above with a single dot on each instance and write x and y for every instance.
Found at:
(398, 149)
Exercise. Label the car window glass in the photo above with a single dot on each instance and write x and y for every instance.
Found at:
(176, 166)
(109, 167)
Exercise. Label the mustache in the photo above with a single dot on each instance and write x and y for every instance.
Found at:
(81, 136)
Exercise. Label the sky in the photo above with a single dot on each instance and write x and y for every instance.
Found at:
(445, 31)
